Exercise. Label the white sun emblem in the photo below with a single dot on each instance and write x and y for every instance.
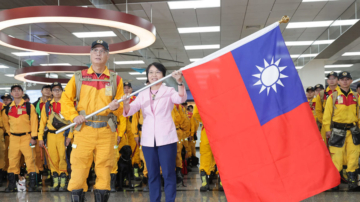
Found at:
(270, 75)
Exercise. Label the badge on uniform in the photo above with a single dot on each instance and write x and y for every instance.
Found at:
(19, 111)
(340, 99)
(108, 90)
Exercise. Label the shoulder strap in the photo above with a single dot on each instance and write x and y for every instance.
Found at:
(7, 108)
(78, 84)
(28, 108)
(47, 107)
(322, 92)
(334, 98)
(113, 83)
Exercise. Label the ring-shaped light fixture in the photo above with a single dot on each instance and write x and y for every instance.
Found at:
(28, 74)
(141, 28)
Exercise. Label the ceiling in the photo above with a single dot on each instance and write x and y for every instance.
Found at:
(236, 19)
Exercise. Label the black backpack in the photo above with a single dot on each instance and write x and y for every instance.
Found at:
(27, 105)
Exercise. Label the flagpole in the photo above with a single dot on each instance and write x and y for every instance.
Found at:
(121, 100)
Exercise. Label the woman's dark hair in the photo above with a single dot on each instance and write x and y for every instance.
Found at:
(158, 66)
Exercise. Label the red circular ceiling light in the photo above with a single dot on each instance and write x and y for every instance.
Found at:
(144, 30)
(28, 74)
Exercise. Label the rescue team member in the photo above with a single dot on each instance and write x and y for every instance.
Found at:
(317, 88)
(341, 123)
(358, 89)
(39, 105)
(121, 128)
(310, 97)
(322, 97)
(93, 89)
(178, 121)
(6, 100)
(130, 136)
(194, 123)
(50, 115)
(21, 122)
(187, 136)
(2, 146)
(207, 161)
(26, 98)
(159, 138)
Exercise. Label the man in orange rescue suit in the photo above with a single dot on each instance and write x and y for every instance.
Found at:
(341, 124)
(322, 97)
(310, 97)
(7, 101)
(93, 89)
(21, 123)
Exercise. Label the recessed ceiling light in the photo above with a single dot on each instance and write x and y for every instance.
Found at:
(185, 30)
(69, 75)
(303, 55)
(131, 62)
(6, 88)
(141, 78)
(199, 47)
(11, 36)
(9, 75)
(307, 43)
(194, 59)
(313, 0)
(56, 64)
(345, 22)
(299, 67)
(3, 67)
(194, 4)
(351, 54)
(336, 66)
(326, 72)
(137, 73)
(29, 53)
(94, 34)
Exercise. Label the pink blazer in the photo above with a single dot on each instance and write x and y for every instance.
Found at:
(158, 125)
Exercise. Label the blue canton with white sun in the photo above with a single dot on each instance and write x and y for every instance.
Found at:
(270, 75)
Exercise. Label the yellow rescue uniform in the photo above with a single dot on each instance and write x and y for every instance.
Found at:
(21, 128)
(55, 142)
(186, 131)
(121, 130)
(194, 123)
(320, 107)
(91, 142)
(207, 161)
(344, 112)
(179, 121)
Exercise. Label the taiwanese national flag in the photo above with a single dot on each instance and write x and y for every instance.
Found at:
(258, 121)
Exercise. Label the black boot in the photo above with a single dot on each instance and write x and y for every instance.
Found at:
(221, 188)
(204, 181)
(39, 179)
(179, 178)
(56, 183)
(32, 183)
(77, 195)
(136, 172)
(113, 182)
(101, 195)
(12, 183)
(1, 177)
(63, 182)
(145, 181)
(4, 176)
(189, 165)
(352, 181)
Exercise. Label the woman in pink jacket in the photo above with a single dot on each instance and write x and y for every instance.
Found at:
(159, 138)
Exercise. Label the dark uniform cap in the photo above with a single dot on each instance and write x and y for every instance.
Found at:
(319, 86)
(100, 42)
(127, 84)
(16, 86)
(46, 86)
(309, 88)
(345, 74)
(332, 74)
(56, 84)
(7, 95)
(26, 96)
(357, 86)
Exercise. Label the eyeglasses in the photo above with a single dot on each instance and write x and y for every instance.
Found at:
(57, 90)
(101, 51)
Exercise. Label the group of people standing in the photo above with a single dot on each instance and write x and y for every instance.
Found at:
(157, 124)
(336, 112)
